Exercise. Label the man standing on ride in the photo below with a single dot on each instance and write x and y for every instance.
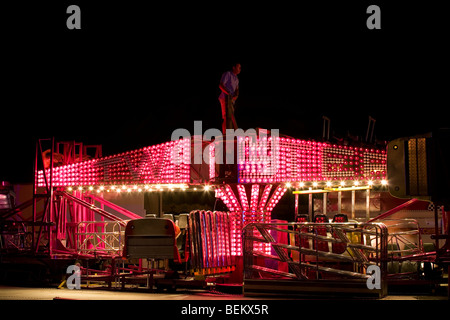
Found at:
(229, 85)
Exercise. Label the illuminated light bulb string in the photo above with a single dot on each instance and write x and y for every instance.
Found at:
(141, 188)
(331, 184)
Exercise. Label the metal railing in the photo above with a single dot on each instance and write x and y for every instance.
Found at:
(404, 237)
(314, 251)
(13, 235)
(99, 237)
(16, 236)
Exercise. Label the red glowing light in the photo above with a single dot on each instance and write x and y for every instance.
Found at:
(164, 163)
(290, 160)
(257, 211)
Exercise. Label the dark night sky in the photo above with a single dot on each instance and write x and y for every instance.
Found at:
(134, 73)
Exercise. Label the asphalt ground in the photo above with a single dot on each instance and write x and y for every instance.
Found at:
(49, 293)
(91, 303)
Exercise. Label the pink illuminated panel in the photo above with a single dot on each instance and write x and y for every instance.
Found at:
(354, 163)
(276, 196)
(212, 162)
(243, 197)
(227, 195)
(254, 198)
(267, 160)
(257, 210)
(164, 163)
(264, 197)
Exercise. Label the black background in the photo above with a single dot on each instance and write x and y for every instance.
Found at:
(136, 71)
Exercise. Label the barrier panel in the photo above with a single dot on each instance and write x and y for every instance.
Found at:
(210, 242)
(407, 257)
(99, 237)
(404, 237)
